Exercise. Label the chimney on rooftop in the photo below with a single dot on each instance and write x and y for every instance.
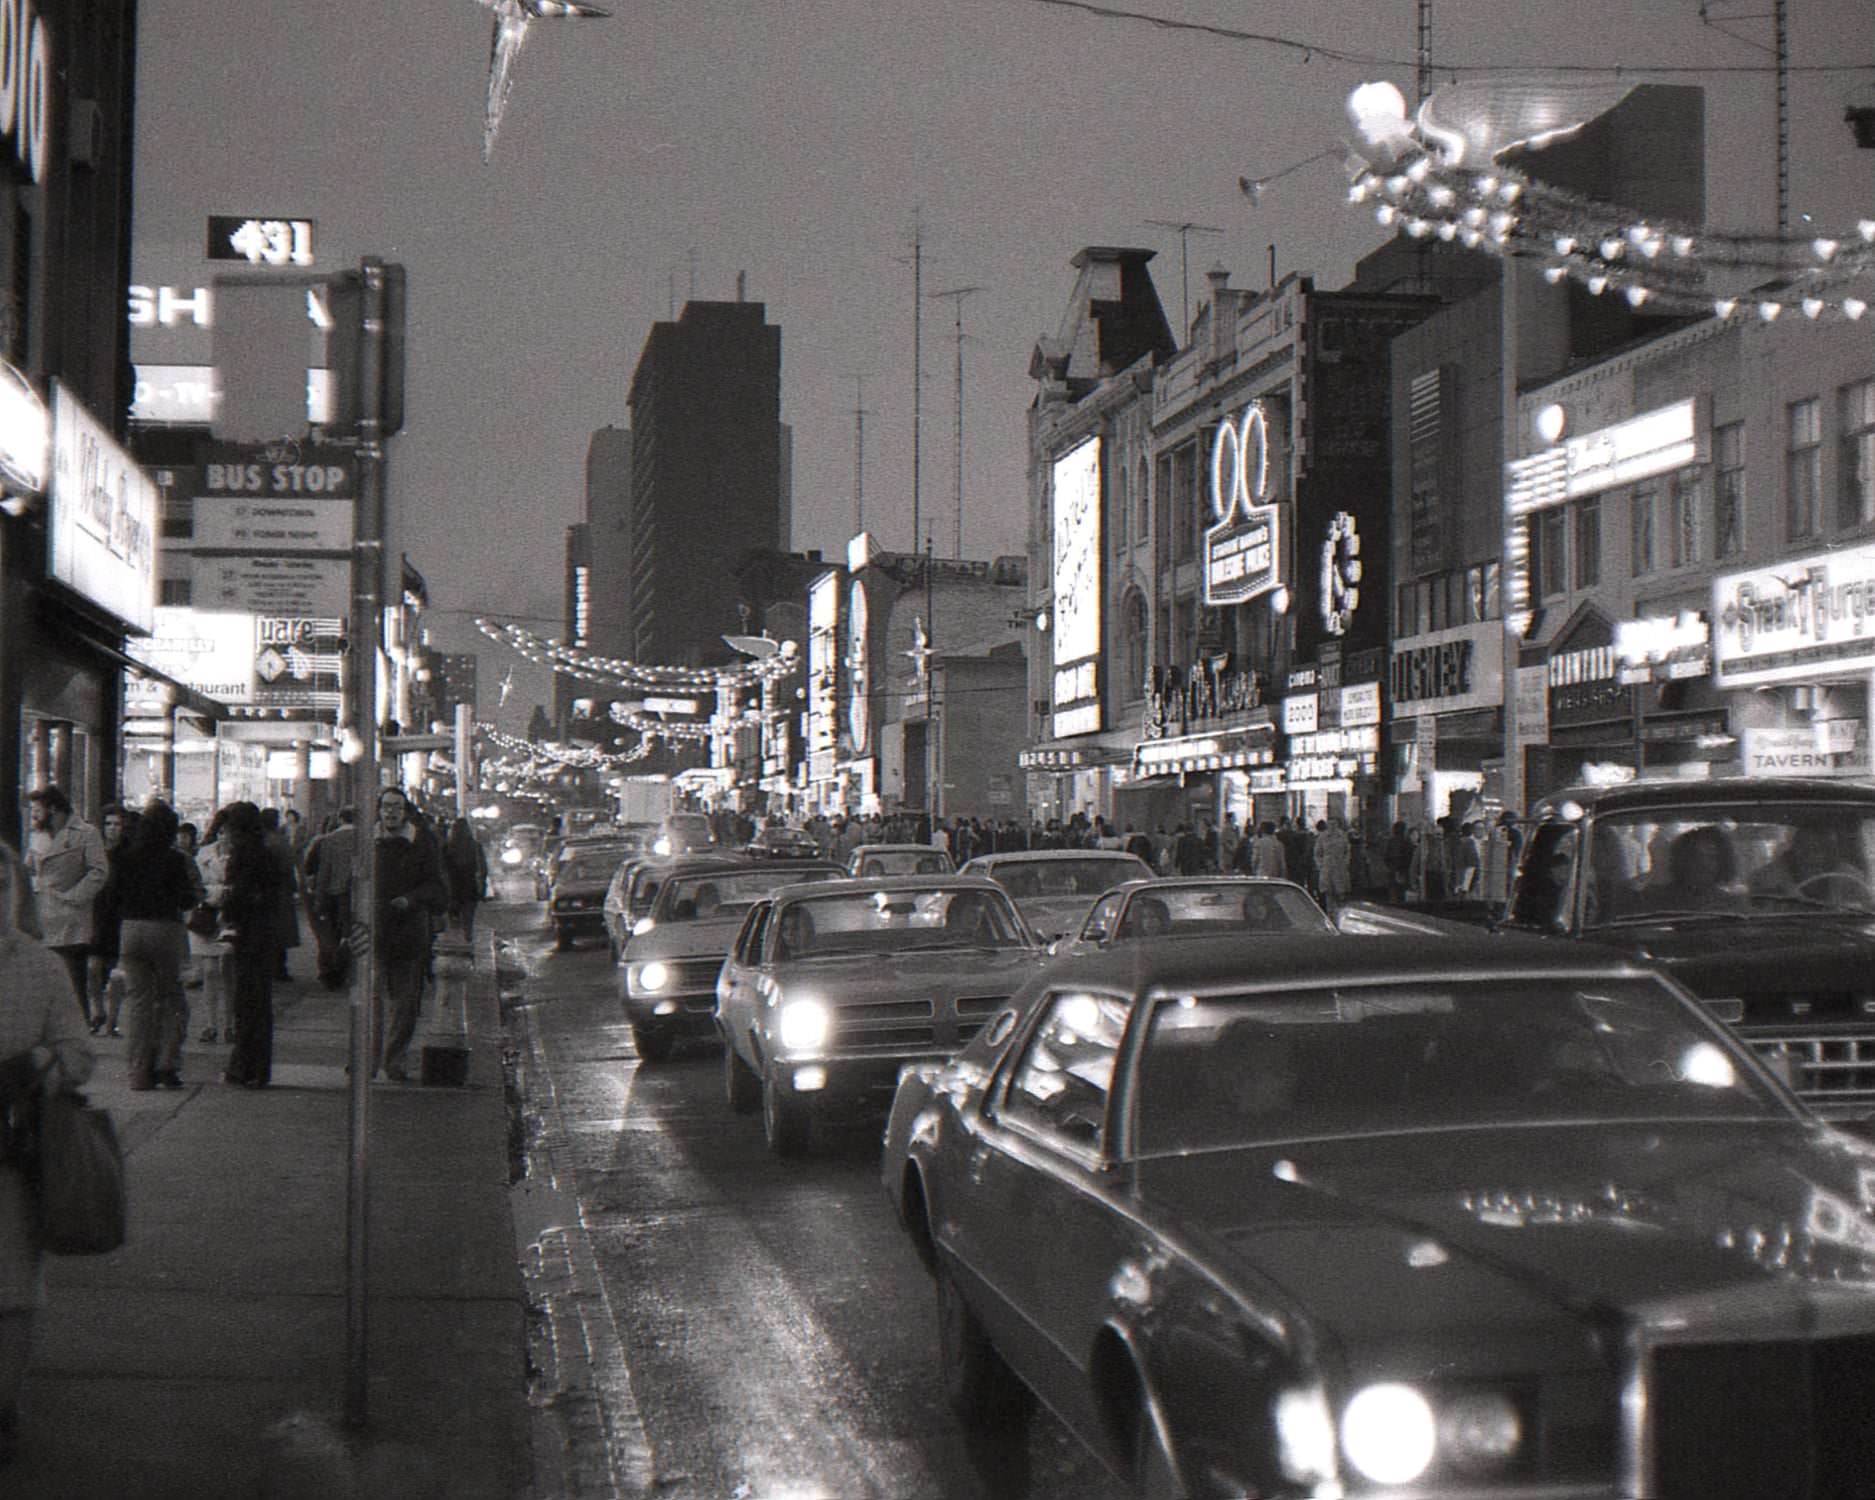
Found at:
(1223, 312)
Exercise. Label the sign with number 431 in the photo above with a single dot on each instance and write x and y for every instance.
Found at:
(259, 241)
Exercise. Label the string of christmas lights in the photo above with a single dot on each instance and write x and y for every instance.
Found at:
(615, 671)
(1421, 187)
(558, 757)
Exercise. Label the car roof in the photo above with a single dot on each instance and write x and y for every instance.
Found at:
(1165, 882)
(896, 883)
(898, 848)
(1048, 854)
(1311, 960)
(1706, 792)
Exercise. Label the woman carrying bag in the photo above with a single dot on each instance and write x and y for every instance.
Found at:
(39, 1049)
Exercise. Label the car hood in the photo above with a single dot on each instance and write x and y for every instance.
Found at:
(864, 976)
(1756, 955)
(1397, 1239)
(684, 939)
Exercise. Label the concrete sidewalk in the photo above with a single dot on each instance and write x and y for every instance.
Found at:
(207, 1358)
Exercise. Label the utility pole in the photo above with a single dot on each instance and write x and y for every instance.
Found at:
(917, 372)
(1186, 228)
(365, 632)
(858, 377)
(957, 294)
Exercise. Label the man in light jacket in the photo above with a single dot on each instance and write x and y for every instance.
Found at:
(66, 861)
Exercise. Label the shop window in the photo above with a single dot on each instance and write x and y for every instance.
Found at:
(1642, 553)
(1686, 502)
(1588, 542)
(1803, 468)
(1552, 552)
(1856, 503)
(1728, 490)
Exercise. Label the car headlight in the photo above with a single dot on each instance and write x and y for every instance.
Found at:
(652, 977)
(804, 1025)
(510, 856)
(1389, 1433)
(662, 846)
(1479, 1431)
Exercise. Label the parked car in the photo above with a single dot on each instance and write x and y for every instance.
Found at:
(668, 966)
(576, 899)
(1756, 893)
(1055, 887)
(1394, 1217)
(869, 860)
(784, 843)
(830, 989)
(1196, 906)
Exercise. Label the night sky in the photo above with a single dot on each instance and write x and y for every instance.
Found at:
(799, 141)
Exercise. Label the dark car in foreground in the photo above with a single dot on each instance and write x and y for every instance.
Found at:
(830, 989)
(669, 963)
(1399, 1218)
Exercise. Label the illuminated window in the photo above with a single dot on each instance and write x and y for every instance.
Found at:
(1588, 542)
(1686, 502)
(1803, 468)
(1728, 490)
(1856, 503)
(1643, 553)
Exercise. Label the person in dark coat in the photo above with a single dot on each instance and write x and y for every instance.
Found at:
(279, 844)
(465, 864)
(411, 891)
(105, 1002)
(248, 913)
(154, 886)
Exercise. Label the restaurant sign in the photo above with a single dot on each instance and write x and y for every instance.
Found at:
(1794, 619)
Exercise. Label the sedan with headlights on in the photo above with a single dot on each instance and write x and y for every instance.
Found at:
(668, 967)
(1395, 1217)
(831, 989)
(1197, 906)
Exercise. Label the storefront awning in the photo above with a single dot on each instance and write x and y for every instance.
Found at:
(1253, 745)
(1055, 755)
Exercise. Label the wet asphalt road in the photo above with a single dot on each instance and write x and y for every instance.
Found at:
(777, 1332)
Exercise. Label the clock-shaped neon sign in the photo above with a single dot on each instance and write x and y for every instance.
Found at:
(1341, 574)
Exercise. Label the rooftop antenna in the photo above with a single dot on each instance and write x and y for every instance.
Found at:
(1186, 228)
(917, 374)
(858, 377)
(958, 293)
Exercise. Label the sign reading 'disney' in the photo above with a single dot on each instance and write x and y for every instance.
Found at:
(1794, 618)
(1447, 670)
(1241, 558)
(101, 520)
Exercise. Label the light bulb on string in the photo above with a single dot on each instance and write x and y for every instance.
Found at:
(1565, 244)
(1612, 248)
(1769, 311)
(1825, 248)
(1812, 307)
(1636, 295)
(1853, 308)
(1554, 274)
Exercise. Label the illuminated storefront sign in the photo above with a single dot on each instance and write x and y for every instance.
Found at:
(1360, 705)
(1179, 698)
(297, 660)
(1663, 648)
(1341, 574)
(1656, 442)
(1795, 619)
(1448, 670)
(1249, 746)
(1333, 755)
(185, 395)
(1805, 750)
(859, 705)
(823, 675)
(25, 83)
(210, 651)
(1241, 551)
(1077, 577)
(1301, 713)
(582, 602)
(260, 241)
(25, 434)
(101, 522)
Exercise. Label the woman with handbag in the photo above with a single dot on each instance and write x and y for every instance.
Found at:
(39, 1047)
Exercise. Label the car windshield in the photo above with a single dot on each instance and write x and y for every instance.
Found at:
(1087, 876)
(902, 862)
(897, 921)
(1234, 1070)
(1219, 907)
(1783, 857)
(590, 869)
(730, 893)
